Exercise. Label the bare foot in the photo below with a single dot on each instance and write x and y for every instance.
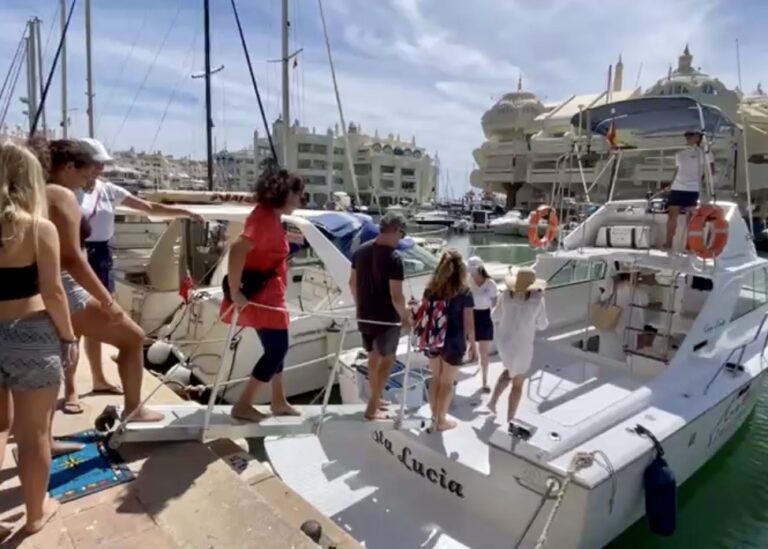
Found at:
(144, 415)
(375, 416)
(284, 410)
(63, 447)
(446, 425)
(248, 413)
(50, 506)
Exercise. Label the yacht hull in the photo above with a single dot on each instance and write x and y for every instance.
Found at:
(405, 489)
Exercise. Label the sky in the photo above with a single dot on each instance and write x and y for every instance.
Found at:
(423, 68)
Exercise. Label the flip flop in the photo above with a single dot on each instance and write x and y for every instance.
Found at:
(111, 390)
(72, 408)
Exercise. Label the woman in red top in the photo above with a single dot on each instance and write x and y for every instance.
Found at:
(261, 252)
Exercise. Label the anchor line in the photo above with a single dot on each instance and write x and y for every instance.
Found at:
(580, 461)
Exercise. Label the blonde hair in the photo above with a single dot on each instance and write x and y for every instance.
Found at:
(450, 277)
(22, 189)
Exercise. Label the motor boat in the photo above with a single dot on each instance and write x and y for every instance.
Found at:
(318, 299)
(511, 223)
(433, 218)
(687, 368)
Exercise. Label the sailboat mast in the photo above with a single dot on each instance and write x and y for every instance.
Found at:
(89, 68)
(286, 99)
(208, 116)
(64, 111)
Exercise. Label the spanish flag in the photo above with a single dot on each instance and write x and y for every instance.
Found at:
(611, 135)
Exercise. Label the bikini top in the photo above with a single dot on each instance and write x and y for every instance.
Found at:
(18, 282)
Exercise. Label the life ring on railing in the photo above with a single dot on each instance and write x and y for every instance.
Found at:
(718, 238)
(542, 212)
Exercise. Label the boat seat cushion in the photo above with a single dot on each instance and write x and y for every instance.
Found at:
(625, 236)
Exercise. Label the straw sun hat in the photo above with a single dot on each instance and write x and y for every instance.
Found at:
(523, 279)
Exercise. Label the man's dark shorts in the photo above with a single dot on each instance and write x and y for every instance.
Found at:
(384, 342)
(683, 199)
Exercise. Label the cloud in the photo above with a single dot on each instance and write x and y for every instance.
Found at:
(428, 68)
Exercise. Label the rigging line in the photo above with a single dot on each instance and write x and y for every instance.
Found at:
(39, 109)
(12, 89)
(347, 146)
(146, 74)
(181, 77)
(253, 81)
(50, 31)
(113, 84)
(13, 61)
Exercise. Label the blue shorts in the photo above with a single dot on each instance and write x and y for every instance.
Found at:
(275, 343)
(100, 260)
(683, 199)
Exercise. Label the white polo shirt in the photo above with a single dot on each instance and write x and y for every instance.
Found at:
(98, 207)
(690, 164)
(484, 295)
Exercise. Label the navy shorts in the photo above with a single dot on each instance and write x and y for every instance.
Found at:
(275, 343)
(454, 357)
(683, 199)
(483, 325)
(100, 259)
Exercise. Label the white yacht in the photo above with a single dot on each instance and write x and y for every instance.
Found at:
(511, 223)
(479, 486)
(434, 218)
(318, 297)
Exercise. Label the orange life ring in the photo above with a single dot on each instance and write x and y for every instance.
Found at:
(550, 214)
(718, 238)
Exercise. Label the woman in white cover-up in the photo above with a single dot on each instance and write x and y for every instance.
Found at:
(519, 313)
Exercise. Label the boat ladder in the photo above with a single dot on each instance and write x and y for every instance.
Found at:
(668, 311)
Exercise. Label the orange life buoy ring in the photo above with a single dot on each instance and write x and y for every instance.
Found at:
(550, 214)
(718, 238)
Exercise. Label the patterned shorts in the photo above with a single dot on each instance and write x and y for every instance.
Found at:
(77, 297)
(30, 353)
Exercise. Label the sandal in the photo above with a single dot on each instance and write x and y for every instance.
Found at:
(72, 408)
(108, 390)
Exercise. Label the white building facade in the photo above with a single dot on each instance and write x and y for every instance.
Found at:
(528, 143)
(388, 170)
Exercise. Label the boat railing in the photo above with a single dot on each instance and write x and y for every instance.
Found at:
(233, 339)
(741, 349)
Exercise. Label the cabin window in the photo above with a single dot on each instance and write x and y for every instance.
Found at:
(752, 294)
(577, 271)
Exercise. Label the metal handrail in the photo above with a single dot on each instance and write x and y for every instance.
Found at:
(741, 348)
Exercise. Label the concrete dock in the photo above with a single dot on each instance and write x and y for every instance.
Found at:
(186, 495)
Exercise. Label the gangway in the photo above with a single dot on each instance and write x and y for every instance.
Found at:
(207, 422)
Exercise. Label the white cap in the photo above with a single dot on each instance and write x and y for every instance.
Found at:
(474, 264)
(96, 149)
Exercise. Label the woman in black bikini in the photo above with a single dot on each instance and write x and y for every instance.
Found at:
(94, 312)
(36, 336)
